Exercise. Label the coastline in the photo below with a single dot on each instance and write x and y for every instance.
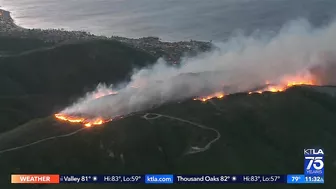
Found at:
(170, 51)
(9, 28)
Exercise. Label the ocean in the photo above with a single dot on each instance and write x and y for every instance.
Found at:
(171, 20)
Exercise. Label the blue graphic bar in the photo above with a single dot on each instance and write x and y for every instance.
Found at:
(304, 179)
(112, 179)
(170, 179)
(295, 179)
(159, 179)
(223, 179)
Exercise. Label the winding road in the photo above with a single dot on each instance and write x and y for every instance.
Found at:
(194, 149)
(42, 140)
(50, 138)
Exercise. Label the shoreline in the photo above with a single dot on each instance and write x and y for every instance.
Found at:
(10, 21)
(170, 51)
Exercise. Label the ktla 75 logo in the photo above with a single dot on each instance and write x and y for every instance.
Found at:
(314, 161)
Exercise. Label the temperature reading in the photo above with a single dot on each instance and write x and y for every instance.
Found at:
(112, 178)
(251, 178)
(262, 178)
(255, 178)
(131, 178)
(85, 178)
(295, 179)
(224, 178)
(270, 178)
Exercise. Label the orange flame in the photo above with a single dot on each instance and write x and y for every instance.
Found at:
(218, 95)
(86, 121)
(284, 84)
(290, 81)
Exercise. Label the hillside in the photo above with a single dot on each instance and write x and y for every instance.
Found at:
(241, 133)
(42, 79)
(258, 134)
(13, 45)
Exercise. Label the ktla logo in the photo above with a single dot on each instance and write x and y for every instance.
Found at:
(314, 161)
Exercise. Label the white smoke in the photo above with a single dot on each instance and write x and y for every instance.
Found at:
(239, 64)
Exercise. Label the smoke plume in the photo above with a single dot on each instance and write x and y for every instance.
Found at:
(240, 64)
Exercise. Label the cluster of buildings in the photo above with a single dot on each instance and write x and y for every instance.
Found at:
(54, 35)
(171, 51)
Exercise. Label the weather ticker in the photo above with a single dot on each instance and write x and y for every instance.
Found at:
(313, 173)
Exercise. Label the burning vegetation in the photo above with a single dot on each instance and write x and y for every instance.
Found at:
(216, 95)
(86, 120)
(284, 84)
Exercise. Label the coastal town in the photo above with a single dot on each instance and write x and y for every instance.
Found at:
(170, 51)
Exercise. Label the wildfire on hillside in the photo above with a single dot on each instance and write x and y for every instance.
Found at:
(278, 86)
(85, 121)
(216, 95)
(284, 84)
